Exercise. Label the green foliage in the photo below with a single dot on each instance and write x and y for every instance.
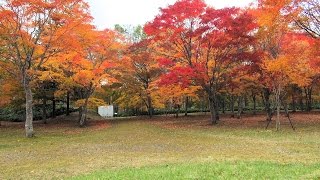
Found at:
(17, 114)
(12, 114)
(133, 34)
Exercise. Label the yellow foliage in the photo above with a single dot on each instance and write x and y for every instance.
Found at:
(176, 93)
(93, 103)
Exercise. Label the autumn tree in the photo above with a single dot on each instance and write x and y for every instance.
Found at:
(91, 65)
(10, 89)
(175, 94)
(138, 75)
(302, 52)
(138, 71)
(34, 31)
(273, 25)
(208, 43)
(277, 40)
(308, 17)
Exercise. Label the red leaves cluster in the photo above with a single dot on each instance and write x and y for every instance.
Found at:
(174, 17)
(165, 62)
(178, 75)
(203, 44)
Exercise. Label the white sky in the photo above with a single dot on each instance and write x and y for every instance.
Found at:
(107, 13)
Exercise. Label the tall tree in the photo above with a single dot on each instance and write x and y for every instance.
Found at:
(33, 32)
(138, 75)
(273, 18)
(280, 45)
(91, 64)
(205, 42)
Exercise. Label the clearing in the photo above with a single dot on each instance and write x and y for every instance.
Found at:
(162, 148)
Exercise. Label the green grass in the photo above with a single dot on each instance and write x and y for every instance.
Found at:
(129, 149)
(219, 170)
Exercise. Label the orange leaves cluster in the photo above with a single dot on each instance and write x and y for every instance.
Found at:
(288, 54)
(294, 63)
(9, 90)
(176, 93)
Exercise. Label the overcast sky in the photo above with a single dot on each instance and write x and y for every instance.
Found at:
(107, 13)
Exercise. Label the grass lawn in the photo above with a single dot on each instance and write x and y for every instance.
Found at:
(163, 148)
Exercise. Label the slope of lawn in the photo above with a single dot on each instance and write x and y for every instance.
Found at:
(161, 148)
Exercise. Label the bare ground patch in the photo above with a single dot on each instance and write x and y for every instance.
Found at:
(299, 120)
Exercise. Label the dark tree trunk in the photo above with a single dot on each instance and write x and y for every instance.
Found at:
(267, 104)
(301, 105)
(308, 93)
(29, 112)
(44, 110)
(68, 104)
(240, 106)
(186, 106)
(232, 105)
(217, 109)
(286, 110)
(223, 105)
(245, 100)
(53, 108)
(254, 99)
(177, 111)
(294, 106)
(149, 106)
(213, 111)
(285, 105)
(80, 113)
(277, 94)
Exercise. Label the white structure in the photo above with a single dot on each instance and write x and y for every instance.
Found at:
(105, 111)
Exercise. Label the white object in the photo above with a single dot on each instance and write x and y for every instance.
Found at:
(105, 111)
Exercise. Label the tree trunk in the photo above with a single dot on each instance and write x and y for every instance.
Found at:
(286, 110)
(223, 105)
(29, 112)
(254, 99)
(278, 118)
(294, 106)
(301, 105)
(277, 93)
(44, 110)
(308, 93)
(232, 106)
(83, 116)
(245, 101)
(68, 104)
(216, 108)
(186, 106)
(217, 113)
(150, 108)
(53, 108)
(178, 111)
(267, 104)
(212, 106)
(240, 106)
(285, 105)
(80, 113)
